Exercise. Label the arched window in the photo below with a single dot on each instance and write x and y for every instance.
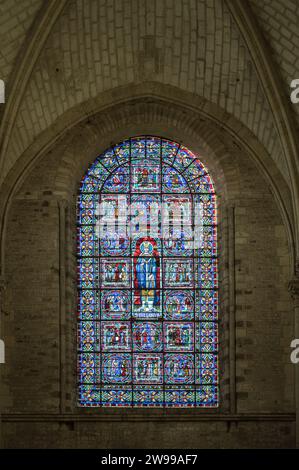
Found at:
(147, 278)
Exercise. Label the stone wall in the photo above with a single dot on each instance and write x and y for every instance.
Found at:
(40, 317)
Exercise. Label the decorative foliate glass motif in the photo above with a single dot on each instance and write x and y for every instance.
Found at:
(147, 278)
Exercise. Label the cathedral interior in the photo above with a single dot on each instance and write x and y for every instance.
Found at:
(181, 109)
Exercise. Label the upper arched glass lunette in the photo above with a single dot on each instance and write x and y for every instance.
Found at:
(172, 166)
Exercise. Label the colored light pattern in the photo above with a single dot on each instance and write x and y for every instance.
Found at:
(147, 293)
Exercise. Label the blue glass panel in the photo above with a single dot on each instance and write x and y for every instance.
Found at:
(178, 336)
(115, 395)
(89, 367)
(138, 148)
(207, 396)
(88, 304)
(179, 396)
(178, 273)
(178, 305)
(89, 395)
(89, 336)
(108, 160)
(207, 273)
(173, 182)
(118, 181)
(206, 369)
(148, 395)
(153, 147)
(179, 368)
(98, 171)
(116, 368)
(206, 337)
(90, 184)
(145, 177)
(115, 305)
(201, 185)
(207, 304)
(116, 336)
(147, 368)
(183, 159)
(169, 150)
(195, 170)
(122, 151)
(147, 336)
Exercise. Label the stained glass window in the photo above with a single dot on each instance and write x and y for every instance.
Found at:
(147, 278)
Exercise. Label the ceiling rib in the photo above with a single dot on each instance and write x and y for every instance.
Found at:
(34, 43)
(272, 85)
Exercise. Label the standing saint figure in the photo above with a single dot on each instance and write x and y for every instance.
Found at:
(146, 275)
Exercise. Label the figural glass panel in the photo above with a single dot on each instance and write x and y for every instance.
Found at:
(147, 279)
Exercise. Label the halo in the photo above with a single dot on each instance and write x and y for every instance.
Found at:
(146, 246)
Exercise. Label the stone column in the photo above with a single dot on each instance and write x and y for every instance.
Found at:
(232, 309)
(62, 207)
(294, 290)
(2, 285)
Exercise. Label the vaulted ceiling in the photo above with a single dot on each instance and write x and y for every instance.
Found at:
(241, 56)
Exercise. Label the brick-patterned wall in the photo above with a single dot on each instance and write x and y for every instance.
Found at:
(97, 46)
(150, 435)
(279, 22)
(16, 17)
(32, 351)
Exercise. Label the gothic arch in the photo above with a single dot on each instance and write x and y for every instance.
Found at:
(117, 114)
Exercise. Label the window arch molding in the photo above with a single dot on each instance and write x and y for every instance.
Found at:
(147, 301)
